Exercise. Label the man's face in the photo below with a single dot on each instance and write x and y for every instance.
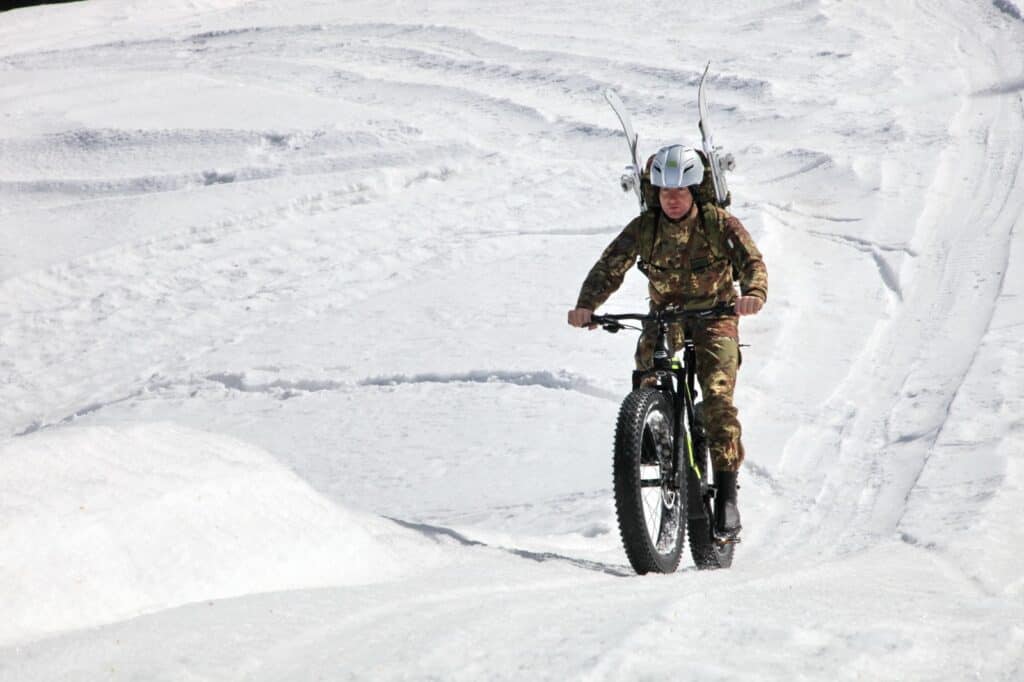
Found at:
(675, 202)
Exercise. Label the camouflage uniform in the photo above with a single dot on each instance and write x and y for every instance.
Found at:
(683, 269)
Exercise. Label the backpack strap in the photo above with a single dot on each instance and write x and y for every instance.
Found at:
(712, 228)
(711, 225)
(649, 223)
(712, 221)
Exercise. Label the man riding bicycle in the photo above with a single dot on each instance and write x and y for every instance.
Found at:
(692, 254)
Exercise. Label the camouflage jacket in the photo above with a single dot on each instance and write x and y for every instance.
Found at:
(682, 268)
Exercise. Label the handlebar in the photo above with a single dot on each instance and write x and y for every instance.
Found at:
(612, 323)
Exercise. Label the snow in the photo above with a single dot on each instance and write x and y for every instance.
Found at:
(286, 389)
(104, 523)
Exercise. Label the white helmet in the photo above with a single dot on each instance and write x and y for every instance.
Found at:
(676, 166)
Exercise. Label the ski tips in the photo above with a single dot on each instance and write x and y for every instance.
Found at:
(700, 81)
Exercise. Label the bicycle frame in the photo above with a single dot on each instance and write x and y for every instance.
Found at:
(666, 367)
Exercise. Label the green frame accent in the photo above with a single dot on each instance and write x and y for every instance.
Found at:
(689, 442)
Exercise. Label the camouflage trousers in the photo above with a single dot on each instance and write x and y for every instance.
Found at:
(718, 360)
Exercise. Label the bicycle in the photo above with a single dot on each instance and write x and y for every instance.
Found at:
(661, 455)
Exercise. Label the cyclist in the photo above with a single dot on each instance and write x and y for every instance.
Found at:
(692, 254)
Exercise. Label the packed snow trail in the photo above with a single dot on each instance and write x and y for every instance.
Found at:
(919, 355)
(316, 263)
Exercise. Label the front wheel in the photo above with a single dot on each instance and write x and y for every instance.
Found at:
(648, 501)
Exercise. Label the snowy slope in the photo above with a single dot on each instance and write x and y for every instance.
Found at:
(314, 261)
(104, 523)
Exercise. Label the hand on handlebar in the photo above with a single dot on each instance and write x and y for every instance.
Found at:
(580, 317)
(748, 305)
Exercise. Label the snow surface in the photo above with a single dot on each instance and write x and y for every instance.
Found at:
(286, 390)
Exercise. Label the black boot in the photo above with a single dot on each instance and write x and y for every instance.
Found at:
(727, 514)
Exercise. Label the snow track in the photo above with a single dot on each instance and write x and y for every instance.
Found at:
(321, 258)
(914, 363)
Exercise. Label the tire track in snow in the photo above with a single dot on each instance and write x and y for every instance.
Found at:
(425, 55)
(445, 48)
(285, 389)
(198, 293)
(93, 188)
(1000, 211)
(560, 380)
(875, 249)
(915, 366)
(435, 532)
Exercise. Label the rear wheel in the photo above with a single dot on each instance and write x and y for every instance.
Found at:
(648, 503)
(705, 550)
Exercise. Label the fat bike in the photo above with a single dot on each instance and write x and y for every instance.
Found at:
(662, 481)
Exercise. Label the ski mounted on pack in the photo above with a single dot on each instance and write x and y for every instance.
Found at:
(716, 164)
(630, 178)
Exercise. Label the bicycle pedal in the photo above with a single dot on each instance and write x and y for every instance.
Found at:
(726, 540)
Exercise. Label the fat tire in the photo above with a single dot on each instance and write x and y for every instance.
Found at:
(630, 450)
(706, 553)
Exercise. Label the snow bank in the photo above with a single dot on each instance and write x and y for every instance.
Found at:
(102, 523)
